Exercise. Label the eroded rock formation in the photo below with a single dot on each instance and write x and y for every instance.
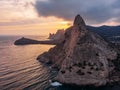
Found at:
(83, 57)
(58, 35)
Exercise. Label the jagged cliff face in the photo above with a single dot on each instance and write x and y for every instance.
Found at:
(83, 57)
(58, 35)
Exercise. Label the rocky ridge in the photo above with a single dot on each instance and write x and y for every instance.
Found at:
(83, 57)
(58, 35)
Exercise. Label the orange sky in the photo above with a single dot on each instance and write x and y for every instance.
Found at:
(18, 17)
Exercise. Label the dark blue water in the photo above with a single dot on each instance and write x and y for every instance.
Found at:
(19, 69)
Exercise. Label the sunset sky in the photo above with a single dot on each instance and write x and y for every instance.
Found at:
(39, 17)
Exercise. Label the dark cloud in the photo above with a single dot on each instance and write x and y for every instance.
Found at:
(93, 11)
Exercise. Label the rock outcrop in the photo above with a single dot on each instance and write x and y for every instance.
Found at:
(58, 35)
(83, 57)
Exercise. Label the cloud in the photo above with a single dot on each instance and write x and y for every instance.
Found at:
(93, 11)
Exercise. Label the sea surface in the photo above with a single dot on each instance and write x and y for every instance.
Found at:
(19, 69)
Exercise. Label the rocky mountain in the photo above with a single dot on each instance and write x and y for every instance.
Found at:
(83, 57)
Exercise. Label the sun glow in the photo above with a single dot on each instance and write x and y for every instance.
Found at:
(63, 22)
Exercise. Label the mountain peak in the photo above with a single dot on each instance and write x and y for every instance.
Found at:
(79, 21)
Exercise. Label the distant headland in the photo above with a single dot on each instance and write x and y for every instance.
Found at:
(53, 39)
(27, 41)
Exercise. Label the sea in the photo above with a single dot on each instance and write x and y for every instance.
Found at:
(19, 69)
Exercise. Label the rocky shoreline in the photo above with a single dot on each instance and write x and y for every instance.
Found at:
(84, 58)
